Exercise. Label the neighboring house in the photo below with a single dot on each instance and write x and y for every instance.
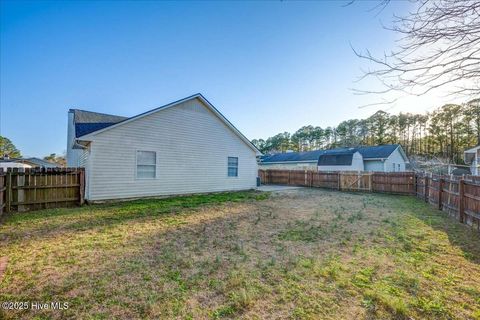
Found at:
(385, 158)
(472, 157)
(184, 147)
(291, 160)
(32, 162)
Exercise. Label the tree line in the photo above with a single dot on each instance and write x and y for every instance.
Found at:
(445, 133)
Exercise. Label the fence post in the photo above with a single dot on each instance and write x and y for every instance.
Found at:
(461, 199)
(426, 188)
(8, 189)
(339, 174)
(2, 192)
(440, 190)
(81, 177)
(415, 184)
(20, 190)
(289, 171)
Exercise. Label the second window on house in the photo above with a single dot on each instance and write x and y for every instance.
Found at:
(146, 164)
(233, 166)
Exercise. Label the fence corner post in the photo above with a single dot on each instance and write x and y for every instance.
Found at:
(461, 200)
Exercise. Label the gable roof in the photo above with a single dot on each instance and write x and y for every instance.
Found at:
(103, 126)
(343, 158)
(87, 121)
(307, 156)
(378, 152)
(372, 152)
(474, 149)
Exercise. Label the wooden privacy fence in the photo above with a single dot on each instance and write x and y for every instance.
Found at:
(39, 188)
(394, 182)
(458, 196)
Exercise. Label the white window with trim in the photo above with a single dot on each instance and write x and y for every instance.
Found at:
(146, 165)
(233, 166)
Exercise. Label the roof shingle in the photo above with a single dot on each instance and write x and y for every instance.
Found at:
(87, 121)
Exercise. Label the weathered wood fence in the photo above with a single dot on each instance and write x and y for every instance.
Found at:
(40, 188)
(458, 196)
(395, 182)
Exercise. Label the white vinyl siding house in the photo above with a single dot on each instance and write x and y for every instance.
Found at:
(181, 148)
(395, 162)
(374, 165)
(472, 158)
(382, 158)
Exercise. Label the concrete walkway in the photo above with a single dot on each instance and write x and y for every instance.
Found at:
(276, 188)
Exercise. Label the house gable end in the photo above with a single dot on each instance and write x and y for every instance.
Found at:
(178, 103)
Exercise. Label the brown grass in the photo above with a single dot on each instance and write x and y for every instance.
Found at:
(304, 253)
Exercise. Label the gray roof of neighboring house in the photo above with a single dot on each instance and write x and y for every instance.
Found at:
(87, 121)
(339, 157)
(373, 152)
(377, 152)
(294, 156)
(32, 160)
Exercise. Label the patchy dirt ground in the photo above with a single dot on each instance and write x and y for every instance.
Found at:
(302, 253)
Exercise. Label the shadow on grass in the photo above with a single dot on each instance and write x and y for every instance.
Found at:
(459, 235)
(165, 267)
(46, 223)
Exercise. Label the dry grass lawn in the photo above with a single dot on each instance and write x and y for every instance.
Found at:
(306, 253)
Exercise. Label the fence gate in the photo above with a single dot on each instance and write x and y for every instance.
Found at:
(356, 181)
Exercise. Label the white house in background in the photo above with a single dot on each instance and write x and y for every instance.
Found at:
(384, 158)
(183, 147)
(32, 162)
(472, 157)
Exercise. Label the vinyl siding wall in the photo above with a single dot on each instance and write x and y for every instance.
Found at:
(374, 165)
(192, 147)
(395, 158)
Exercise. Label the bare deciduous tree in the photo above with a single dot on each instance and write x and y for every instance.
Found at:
(439, 47)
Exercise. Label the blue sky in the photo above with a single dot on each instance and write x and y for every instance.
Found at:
(268, 66)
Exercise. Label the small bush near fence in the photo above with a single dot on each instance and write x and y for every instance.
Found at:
(40, 188)
(458, 196)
